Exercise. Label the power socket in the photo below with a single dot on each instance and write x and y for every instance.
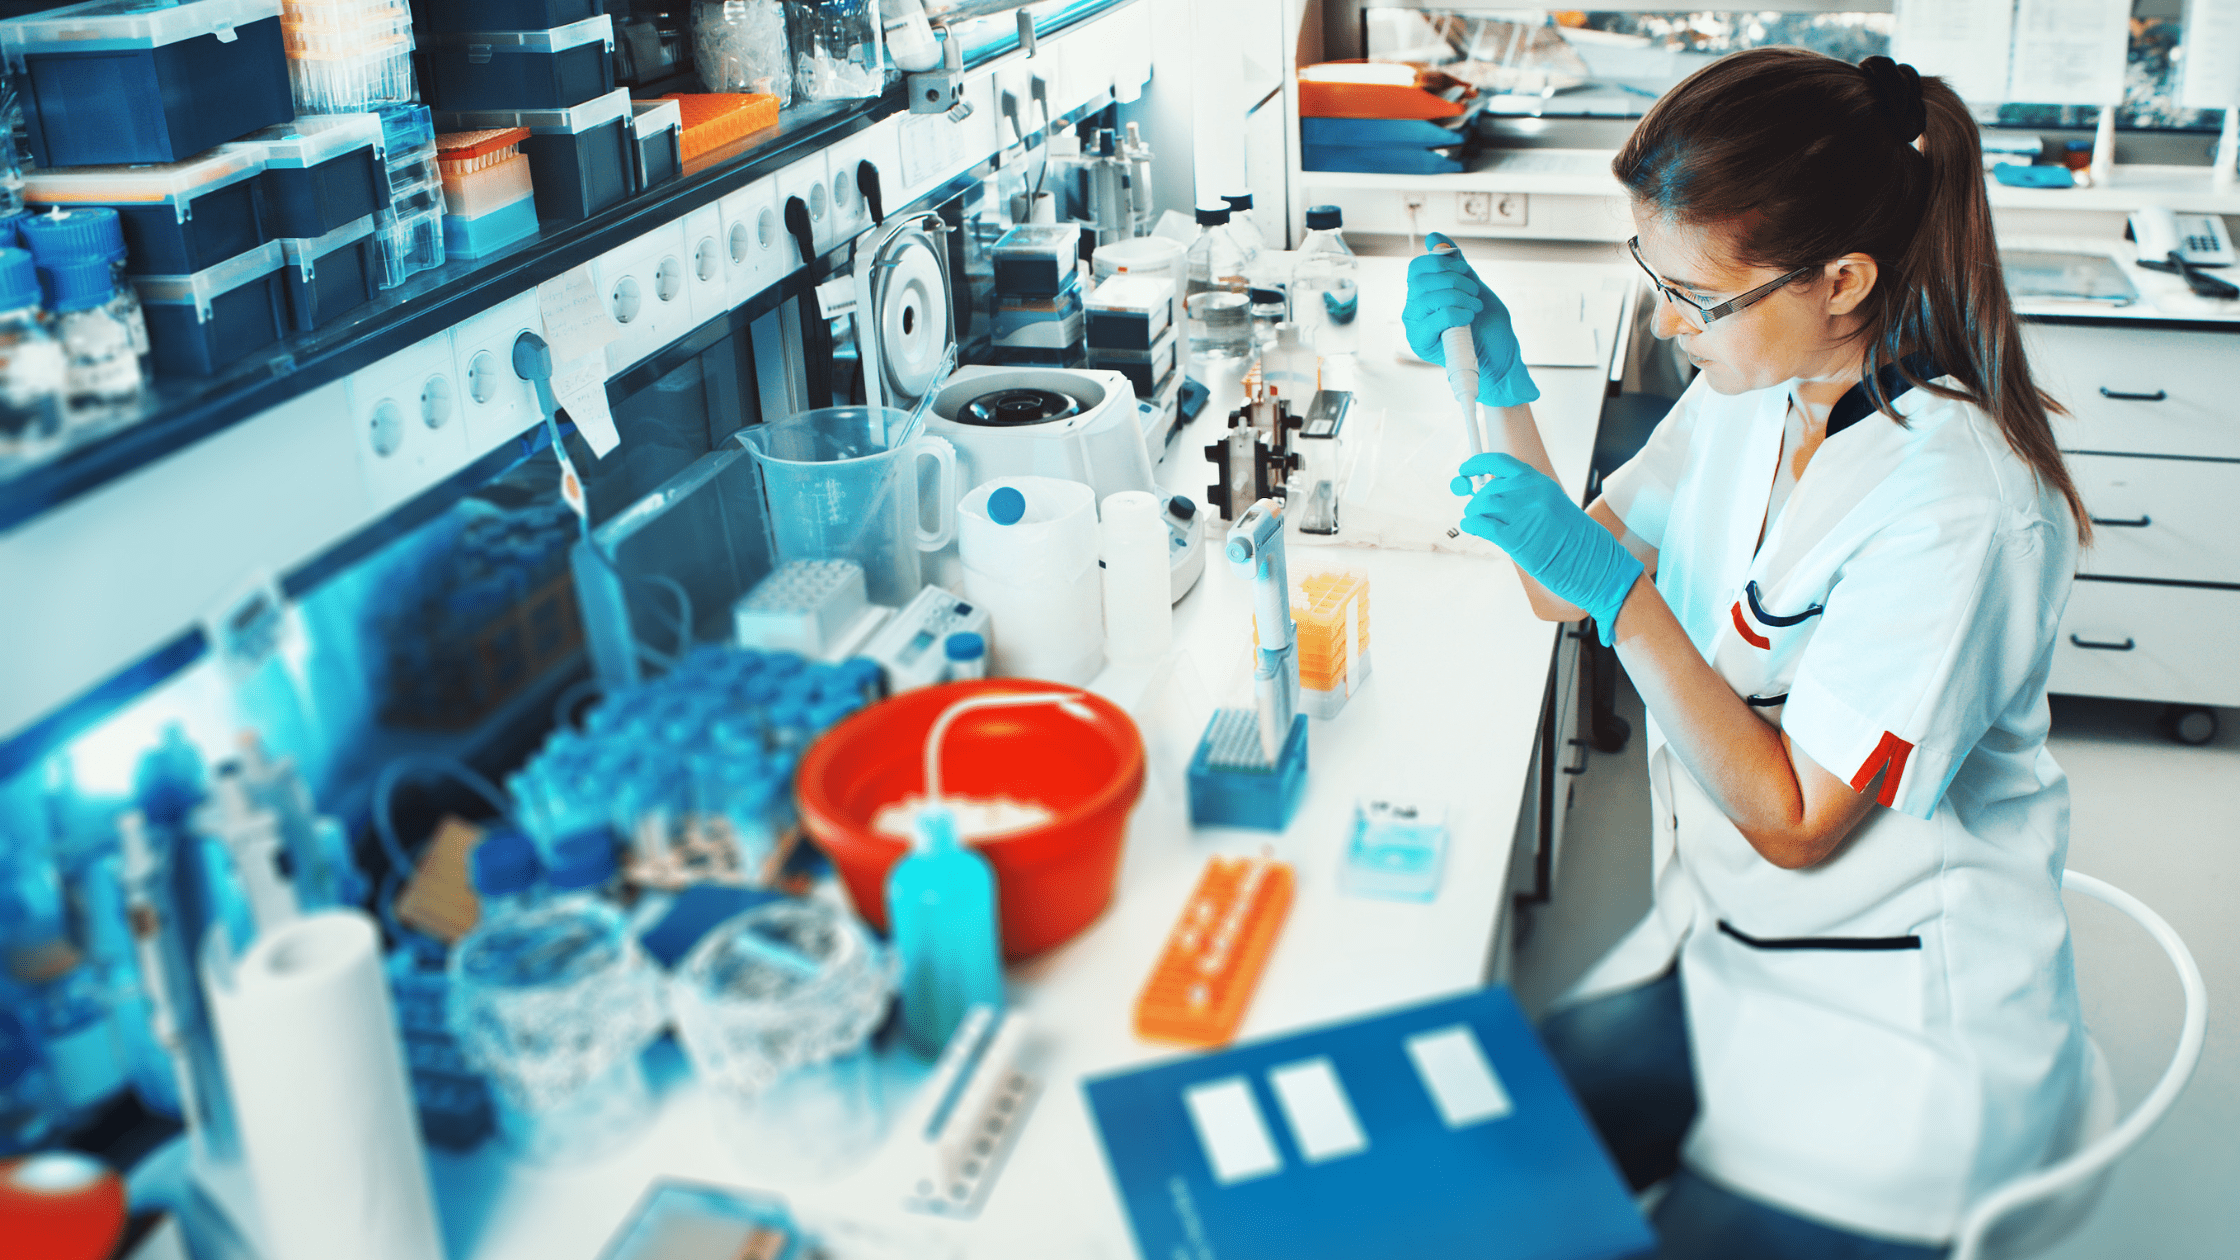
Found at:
(1509, 208)
(1473, 207)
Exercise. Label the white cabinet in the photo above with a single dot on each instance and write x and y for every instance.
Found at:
(2146, 641)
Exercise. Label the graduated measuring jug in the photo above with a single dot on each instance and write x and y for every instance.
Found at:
(841, 483)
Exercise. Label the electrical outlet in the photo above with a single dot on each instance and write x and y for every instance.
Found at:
(1473, 207)
(1412, 200)
(1509, 208)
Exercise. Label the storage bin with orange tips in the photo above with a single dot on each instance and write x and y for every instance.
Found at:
(489, 199)
(715, 119)
(1331, 613)
(1211, 963)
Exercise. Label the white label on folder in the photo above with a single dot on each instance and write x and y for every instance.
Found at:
(1458, 1078)
(581, 390)
(1317, 1109)
(576, 321)
(1231, 1130)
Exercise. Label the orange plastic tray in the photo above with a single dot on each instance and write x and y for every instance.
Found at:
(1211, 964)
(1371, 100)
(715, 119)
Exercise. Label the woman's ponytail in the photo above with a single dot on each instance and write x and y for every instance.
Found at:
(1806, 158)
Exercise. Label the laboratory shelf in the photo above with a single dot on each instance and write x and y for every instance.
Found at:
(177, 413)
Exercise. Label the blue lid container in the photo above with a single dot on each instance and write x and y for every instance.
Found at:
(579, 158)
(503, 864)
(321, 172)
(116, 81)
(85, 234)
(582, 860)
(516, 69)
(200, 324)
(77, 286)
(19, 280)
(331, 274)
(177, 218)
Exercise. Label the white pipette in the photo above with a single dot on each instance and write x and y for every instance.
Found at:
(1462, 370)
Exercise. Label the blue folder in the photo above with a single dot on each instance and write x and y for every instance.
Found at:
(1438, 1130)
(1377, 133)
(1382, 161)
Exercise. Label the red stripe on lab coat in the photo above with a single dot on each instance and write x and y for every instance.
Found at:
(1891, 753)
(1742, 627)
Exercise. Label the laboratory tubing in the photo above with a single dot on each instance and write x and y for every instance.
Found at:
(1029, 548)
(1326, 286)
(1138, 609)
(554, 1002)
(1218, 305)
(33, 368)
(942, 897)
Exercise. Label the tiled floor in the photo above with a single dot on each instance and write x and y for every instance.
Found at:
(2156, 819)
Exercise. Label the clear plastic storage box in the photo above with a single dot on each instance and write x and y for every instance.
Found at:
(550, 69)
(505, 15)
(331, 274)
(119, 81)
(658, 129)
(201, 324)
(579, 158)
(321, 172)
(178, 217)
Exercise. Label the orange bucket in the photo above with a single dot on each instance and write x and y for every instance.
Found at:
(1052, 880)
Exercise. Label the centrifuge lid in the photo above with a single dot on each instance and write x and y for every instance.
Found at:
(1009, 408)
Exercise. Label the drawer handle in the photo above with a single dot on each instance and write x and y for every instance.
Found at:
(2125, 646)
(2143, 521)
(2156, 396)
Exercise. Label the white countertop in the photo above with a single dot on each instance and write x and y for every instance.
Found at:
(2162, 296)
(1451, 713)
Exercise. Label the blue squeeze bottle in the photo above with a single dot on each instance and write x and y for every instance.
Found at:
(941, 903)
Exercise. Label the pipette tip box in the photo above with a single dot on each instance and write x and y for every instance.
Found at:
(489, 192)
(803, 607)
(321, 172)
(1147, 369)
(658, 131)
(1231, 781)
(331, 274)
(1037, 259)
(1330, 613)
(579, 158)
(123, 81)
(446, 16)
(179, 217)
(1198, 990)
(1129, 312)
(556, 68)
(201, 324)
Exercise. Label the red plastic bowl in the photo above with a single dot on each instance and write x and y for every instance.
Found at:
(1052, 881)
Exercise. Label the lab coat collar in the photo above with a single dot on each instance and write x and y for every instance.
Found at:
(1862, 399)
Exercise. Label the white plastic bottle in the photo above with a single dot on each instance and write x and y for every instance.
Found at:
(1325, 286)
(1218, 305)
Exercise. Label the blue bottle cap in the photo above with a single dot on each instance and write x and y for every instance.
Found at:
(1324, 218)
(582, 860)
(1209, 216)
(19, 280)
(72, 236)
(1238, 201)
(863, 675)
(504, 863)
(1006, 506)
(9, 225)
(964, 646)
(78, 286)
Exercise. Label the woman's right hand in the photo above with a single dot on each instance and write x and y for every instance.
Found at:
(1443, 293)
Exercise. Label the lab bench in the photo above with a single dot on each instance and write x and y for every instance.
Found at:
(1456, 712)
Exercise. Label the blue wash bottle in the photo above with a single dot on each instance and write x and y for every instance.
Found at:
(941, 903)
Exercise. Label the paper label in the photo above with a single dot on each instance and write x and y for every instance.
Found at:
(1965, 42)
(1455, 1073)
(2070, 52)
(581, 390)
(2212, 61)
(576, 321)
(1316, 1107)
(1231, 1130)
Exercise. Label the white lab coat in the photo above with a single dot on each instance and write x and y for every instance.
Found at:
(1881, 1038)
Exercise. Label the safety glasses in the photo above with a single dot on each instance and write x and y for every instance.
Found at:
(1695, 314)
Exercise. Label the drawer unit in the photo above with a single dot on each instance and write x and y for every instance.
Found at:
(2170, 519)
(497, 404)
(2140, 641)
(405, 410)
(644, 285)
(707, 284)
(756, 252)
(2139, 390)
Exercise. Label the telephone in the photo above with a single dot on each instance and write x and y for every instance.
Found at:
(2200, 239)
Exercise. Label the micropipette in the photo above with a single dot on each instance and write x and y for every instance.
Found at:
(1462, 370)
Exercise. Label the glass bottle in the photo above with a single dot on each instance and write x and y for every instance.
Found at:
(1217, 306)
(31, 368)
(76, 252)
(1325, 286)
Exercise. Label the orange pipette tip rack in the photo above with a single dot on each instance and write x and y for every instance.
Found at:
(715, 119)
(1212, 960)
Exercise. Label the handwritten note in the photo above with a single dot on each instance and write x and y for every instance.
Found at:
(2212, 47)
(576, 322)
(581, 390)
(2070, 52)
(1964, 42)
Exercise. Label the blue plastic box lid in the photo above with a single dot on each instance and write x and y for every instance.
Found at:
(575, 120)
(113, 25)
(207, 285)
(313, 139)
(303, 251)
(558, 39)
(174, 183)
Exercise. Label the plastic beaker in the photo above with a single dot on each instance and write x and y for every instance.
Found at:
(841, 483)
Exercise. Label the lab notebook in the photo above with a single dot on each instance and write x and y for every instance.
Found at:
(1439, 1130)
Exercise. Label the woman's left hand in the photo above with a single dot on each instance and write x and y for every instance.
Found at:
(1525, 512)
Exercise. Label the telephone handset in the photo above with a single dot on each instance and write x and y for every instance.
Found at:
(2200, 239)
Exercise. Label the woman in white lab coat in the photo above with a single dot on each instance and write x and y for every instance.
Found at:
(1834, 574)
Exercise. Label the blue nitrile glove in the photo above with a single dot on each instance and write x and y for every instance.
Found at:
(1525, 513)
(1443, 293)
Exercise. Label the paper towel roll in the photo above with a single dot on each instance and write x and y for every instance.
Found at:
(327, 1125)
(1138, 603)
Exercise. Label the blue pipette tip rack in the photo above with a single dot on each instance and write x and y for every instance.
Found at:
(1231, 782)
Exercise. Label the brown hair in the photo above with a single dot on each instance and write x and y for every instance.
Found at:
(1801, 158)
